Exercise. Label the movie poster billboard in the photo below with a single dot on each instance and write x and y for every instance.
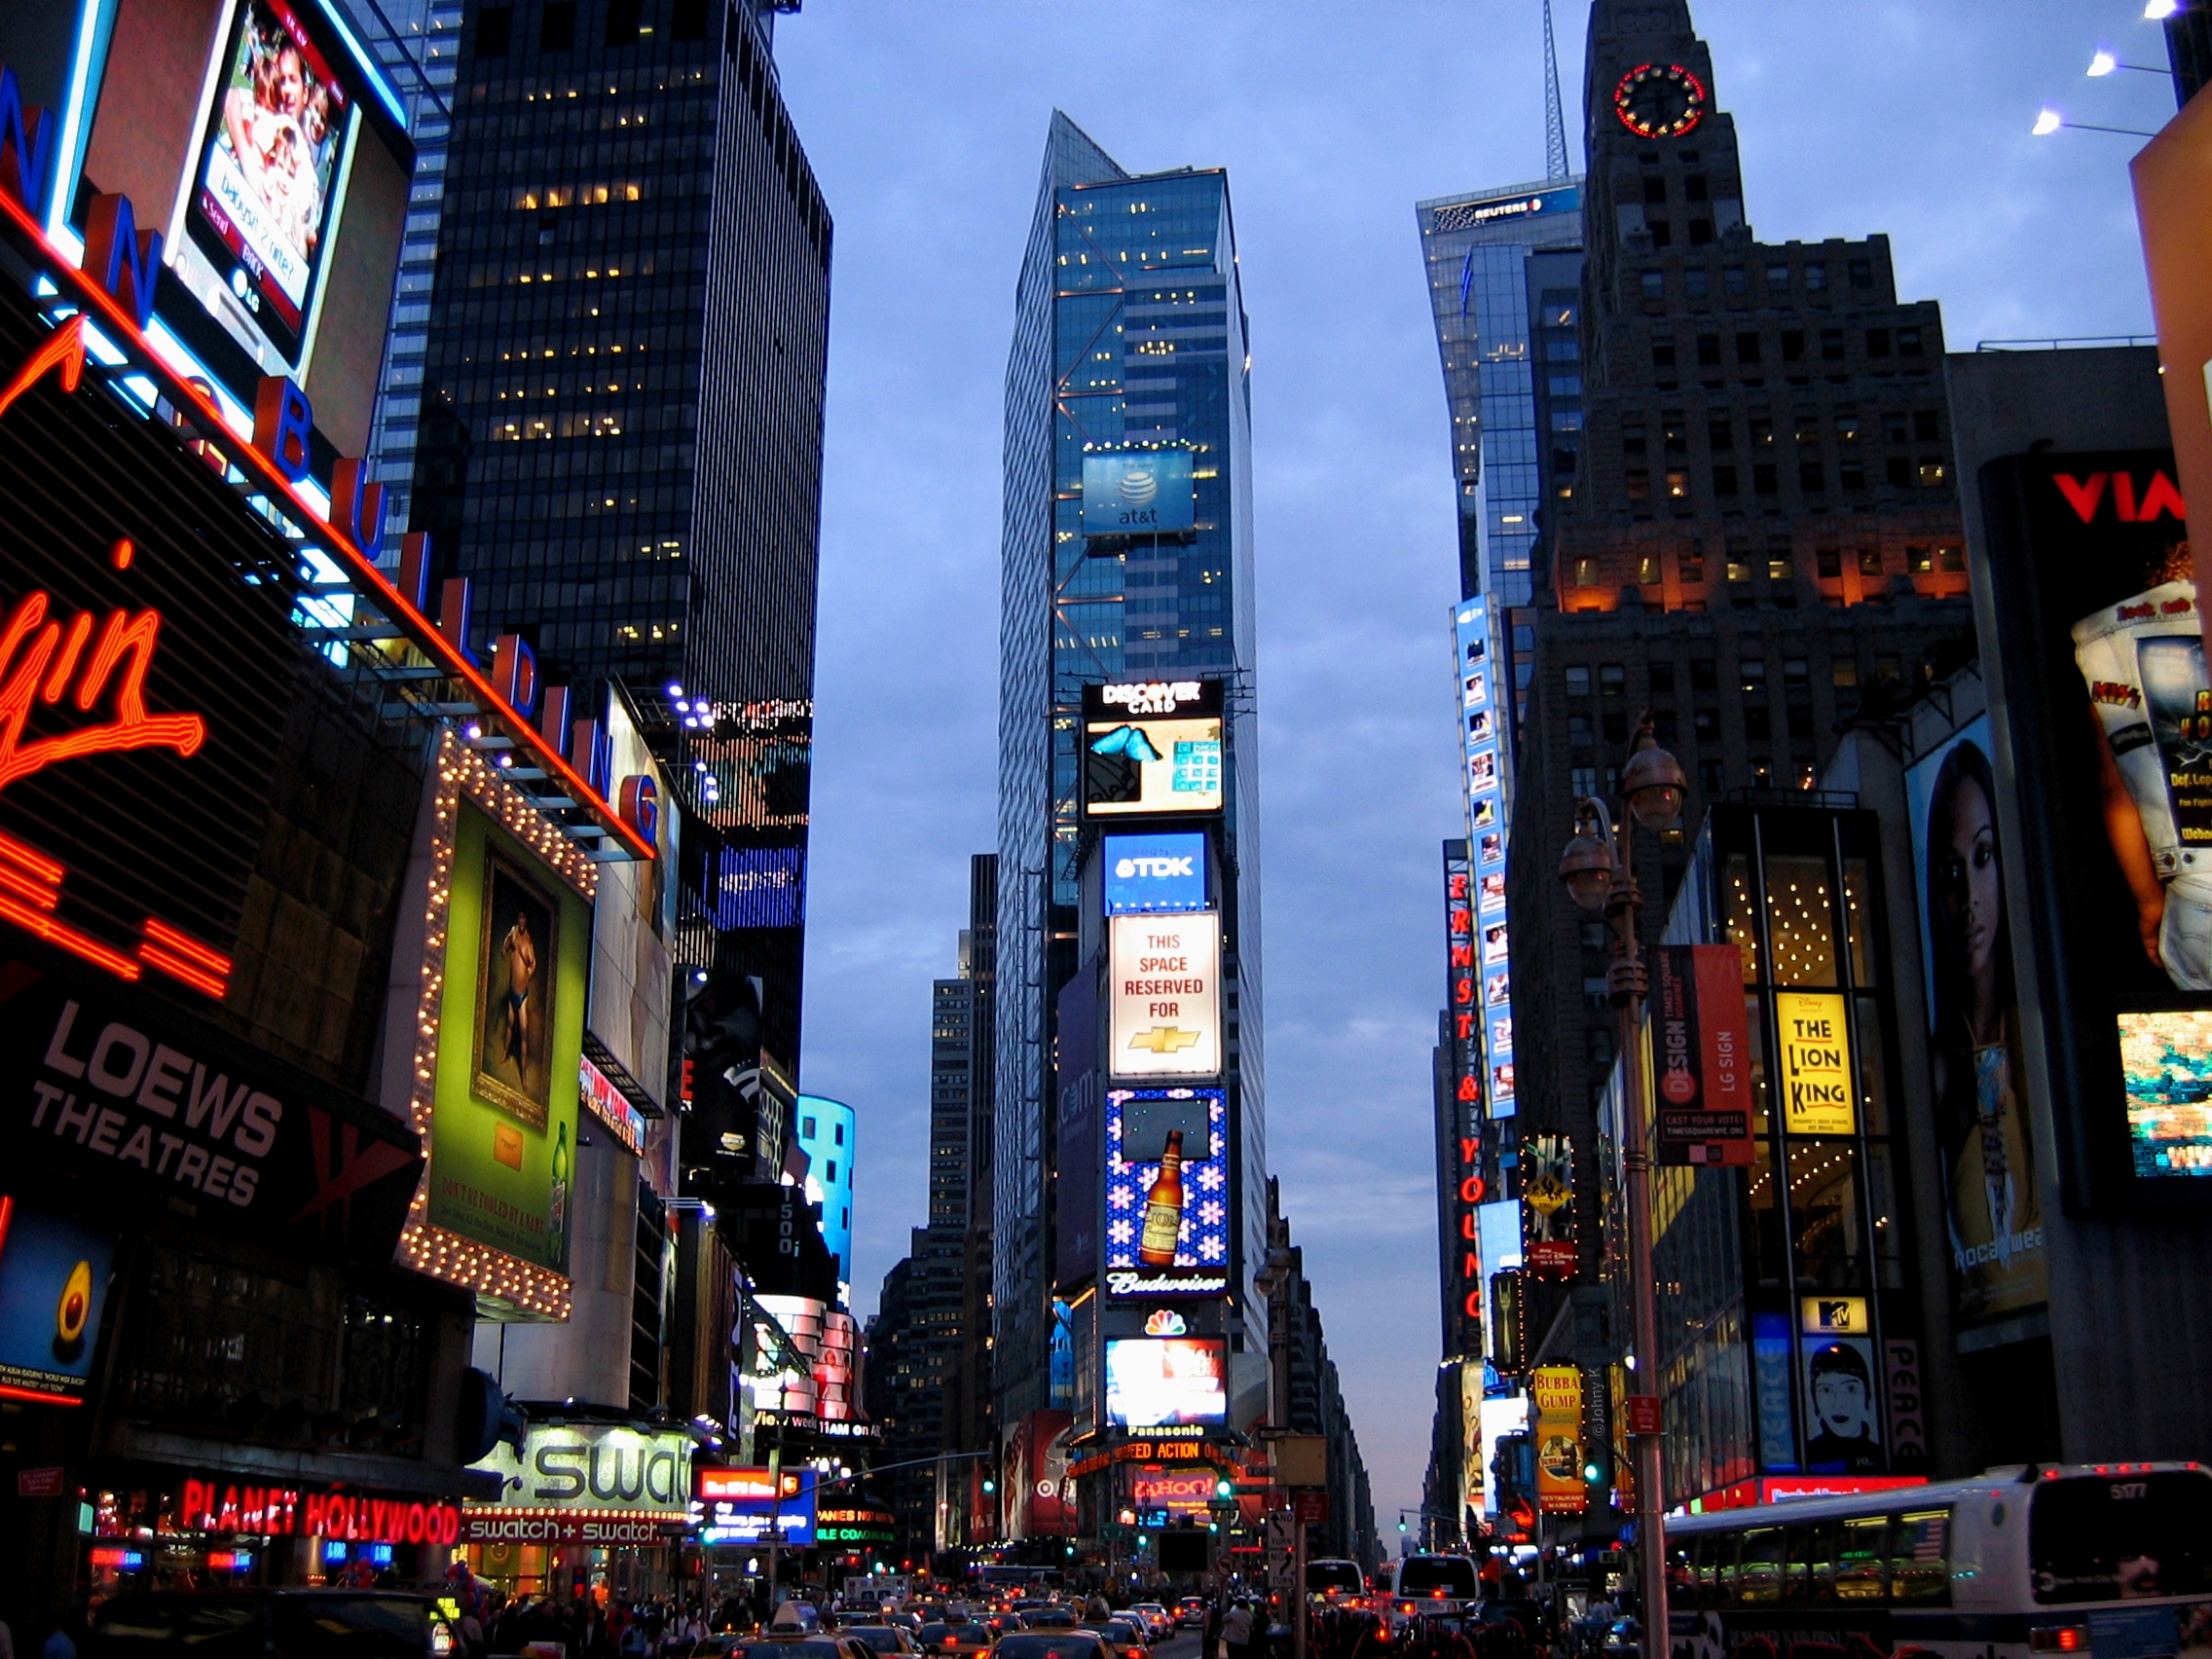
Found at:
(2106, 711)
(510, 1038)
(1992, 1198)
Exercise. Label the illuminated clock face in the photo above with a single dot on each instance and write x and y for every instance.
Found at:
(1656, 100)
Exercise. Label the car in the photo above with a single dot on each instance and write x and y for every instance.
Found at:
(173, 1625)
(1048, 1617)
(1124, 1638)
(1624, 1640)
(888, 1640)
(797, 1644)
(1158, 1622)
(1050, 1645)
(963, 1637)
(1191, 1613)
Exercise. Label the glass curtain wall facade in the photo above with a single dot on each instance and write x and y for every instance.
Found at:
(1785, 1305)
(620, 435)
(418, 42)
(1477, 249)
(622, 420)
(1130, 335)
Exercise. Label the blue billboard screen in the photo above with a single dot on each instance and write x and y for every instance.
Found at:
(1137, 493)
(1148, 874)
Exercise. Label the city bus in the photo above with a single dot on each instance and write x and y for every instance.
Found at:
(2110, 1560)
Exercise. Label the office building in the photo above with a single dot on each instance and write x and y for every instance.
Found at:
(620, 433)
(1478, 246)
(1129, 359)
(418, 44)
(1763, 536)
(929, 1346)
(1309, 1400)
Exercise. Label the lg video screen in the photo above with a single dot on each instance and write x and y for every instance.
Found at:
(267, 173)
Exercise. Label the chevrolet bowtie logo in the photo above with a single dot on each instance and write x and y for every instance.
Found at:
(1164, 1040)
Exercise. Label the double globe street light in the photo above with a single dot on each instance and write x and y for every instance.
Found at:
(1599, 870)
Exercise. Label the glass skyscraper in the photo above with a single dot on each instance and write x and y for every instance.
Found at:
(418, 42)
(1130, 335)
(620, 425)
(1478, 248)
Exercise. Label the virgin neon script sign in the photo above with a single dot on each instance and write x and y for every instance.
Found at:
(45, 664)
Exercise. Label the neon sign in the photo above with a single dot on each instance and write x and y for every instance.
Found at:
(45, 664)
(274, 461)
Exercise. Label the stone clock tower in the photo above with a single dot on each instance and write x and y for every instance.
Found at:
(1751, 518)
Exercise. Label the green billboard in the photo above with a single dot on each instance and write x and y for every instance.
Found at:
(510, 1042)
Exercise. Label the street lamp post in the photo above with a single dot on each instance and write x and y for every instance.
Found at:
(1599, 870)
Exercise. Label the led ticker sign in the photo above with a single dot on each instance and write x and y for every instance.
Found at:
(746, 1506)
(1485, 764)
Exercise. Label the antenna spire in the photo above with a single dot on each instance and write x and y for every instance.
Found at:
(1554, 122)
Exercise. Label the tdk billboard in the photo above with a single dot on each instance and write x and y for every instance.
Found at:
(1155, 873)
(1137, 493)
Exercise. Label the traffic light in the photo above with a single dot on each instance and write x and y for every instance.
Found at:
(990, 1485)
(1401, 1523)
(1224, 1487)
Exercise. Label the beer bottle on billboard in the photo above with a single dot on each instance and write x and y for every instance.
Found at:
(1163, 1208)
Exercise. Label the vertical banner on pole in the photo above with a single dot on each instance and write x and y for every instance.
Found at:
(1702, 1054)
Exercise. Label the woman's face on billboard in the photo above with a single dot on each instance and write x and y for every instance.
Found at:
(1973, 886)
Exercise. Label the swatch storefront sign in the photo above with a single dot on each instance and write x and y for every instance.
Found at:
(586, 1482)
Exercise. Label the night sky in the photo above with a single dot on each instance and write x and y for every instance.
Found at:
(925, 121)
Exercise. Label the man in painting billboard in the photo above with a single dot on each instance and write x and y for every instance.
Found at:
(515, 997)
(1992, 1202)
(1842, 1392)
(2142, 663)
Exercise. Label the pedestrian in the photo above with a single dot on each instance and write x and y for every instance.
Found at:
(1236, 1632)
(60, 1643)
